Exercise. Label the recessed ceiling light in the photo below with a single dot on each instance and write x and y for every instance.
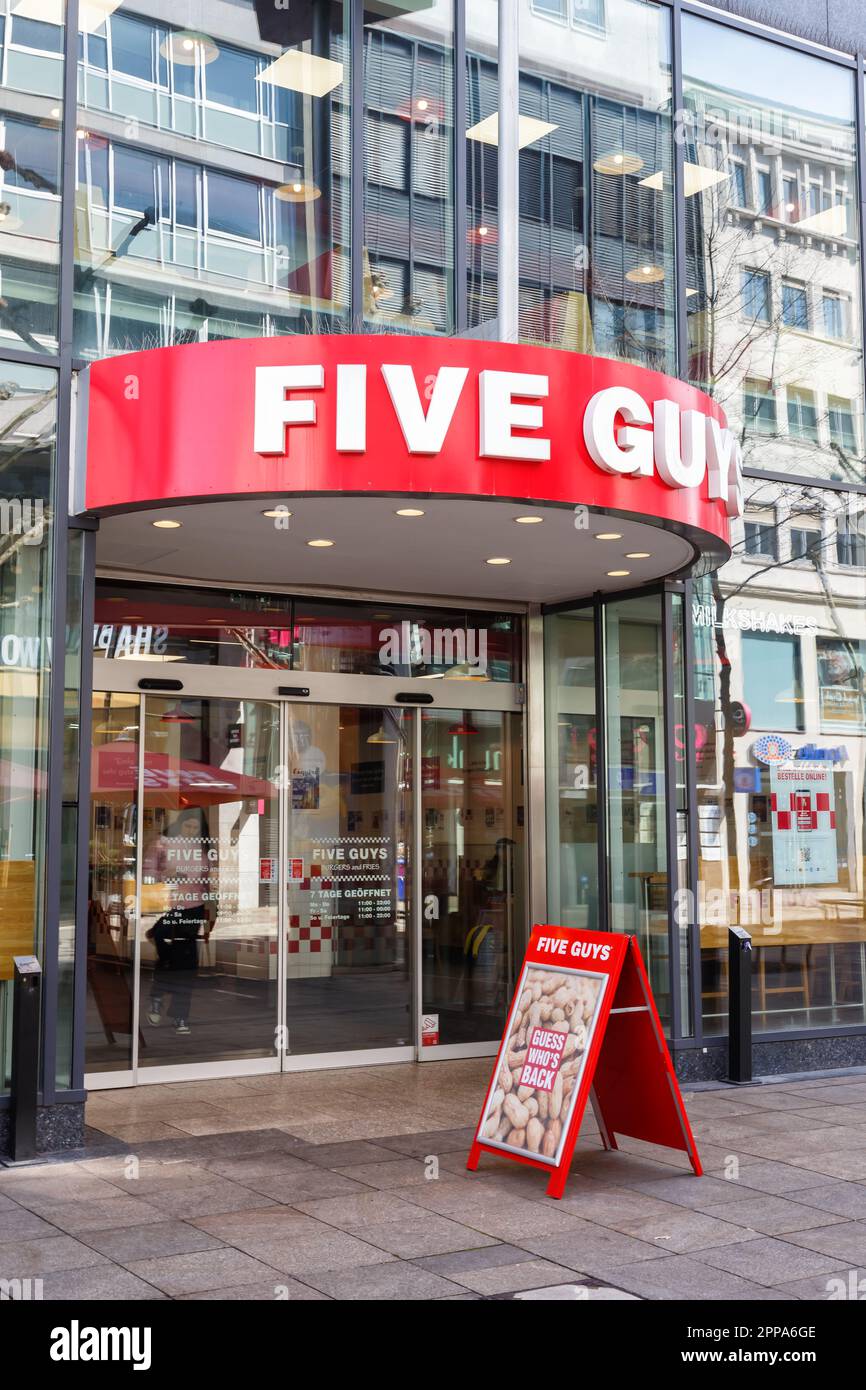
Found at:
(498, 560)
(638, 554)
(422, 103)
(528, 520)
(166, 525)
(617, 574)
(608, 535)
(277, 511)
(409, 511)
(320, 544)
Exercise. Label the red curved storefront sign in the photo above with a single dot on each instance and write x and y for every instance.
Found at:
(401, 415)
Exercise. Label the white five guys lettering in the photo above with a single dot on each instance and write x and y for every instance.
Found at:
(560, 946)
(624, 433)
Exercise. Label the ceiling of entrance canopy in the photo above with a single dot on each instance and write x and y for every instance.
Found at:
(455, 548)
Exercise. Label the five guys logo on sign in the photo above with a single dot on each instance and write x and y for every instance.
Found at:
(684, 447)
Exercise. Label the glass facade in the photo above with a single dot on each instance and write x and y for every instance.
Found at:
(689, 200)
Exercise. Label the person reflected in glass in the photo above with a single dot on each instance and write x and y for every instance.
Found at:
(485, 942)
(179, 859)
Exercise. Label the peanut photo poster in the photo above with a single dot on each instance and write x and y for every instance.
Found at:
(541, 1061)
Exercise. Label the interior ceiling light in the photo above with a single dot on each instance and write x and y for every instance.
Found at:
(183, 48)
(608, 535)
(92, 14)
(498, 560)
(646, 274)
(277, 511)
(320, 544)
(408, 511)
(165, 524)
(696, 179)
(618, 162)
(307, 73)
(528, 520)
(617, 574)
(831, 222)
(380, 736)
(529, 129)
(638, 554)
(298, 190)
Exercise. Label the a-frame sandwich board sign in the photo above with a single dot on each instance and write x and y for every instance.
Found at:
(582, 1025)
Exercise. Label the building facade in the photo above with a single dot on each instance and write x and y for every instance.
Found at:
(296, 741)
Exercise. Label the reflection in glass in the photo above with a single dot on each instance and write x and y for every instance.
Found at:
(29, 222)
(112, 910)
(596, 183)
(349, 881)
(241, 227)
(408, 253)
(213, 627)
(472, 871)
(773, 250)
(28, 402)
(779, 642)
(637, 832)
(208, 921)
(572, 770)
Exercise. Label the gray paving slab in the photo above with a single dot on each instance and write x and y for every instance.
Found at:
(767, 1260)
(397, 1280)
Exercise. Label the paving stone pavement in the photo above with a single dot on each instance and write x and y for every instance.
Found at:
(351, 1185)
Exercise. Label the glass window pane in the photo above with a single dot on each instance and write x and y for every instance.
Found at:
(572, 774)
(29, 228)
(636, 802)
(596, 193)
(472, 869)
(28, 400)
(350, 879)
(408, 254)
(242, 114)
(788, 260)
(779, 696)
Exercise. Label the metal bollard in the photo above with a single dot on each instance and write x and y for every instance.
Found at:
(25, 1056)
(739, 1006)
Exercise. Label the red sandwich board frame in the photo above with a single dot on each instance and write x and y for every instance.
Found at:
(617, 1056)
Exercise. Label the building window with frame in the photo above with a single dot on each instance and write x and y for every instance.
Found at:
(588, 12)
(772, 681)
(738, 184)
(795, 306)
(835, 314)
(802, 415)
(756, 295)
(764, 190)
(840, 419)
(806, 543)
(760, 540)
(759, 408)
(841, 684)
(851, 541)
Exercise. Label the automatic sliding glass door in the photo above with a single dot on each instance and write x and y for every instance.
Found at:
(253, 882)
(472, 869)
(349, 924)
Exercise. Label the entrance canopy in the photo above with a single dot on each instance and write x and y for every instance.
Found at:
(444, 466)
